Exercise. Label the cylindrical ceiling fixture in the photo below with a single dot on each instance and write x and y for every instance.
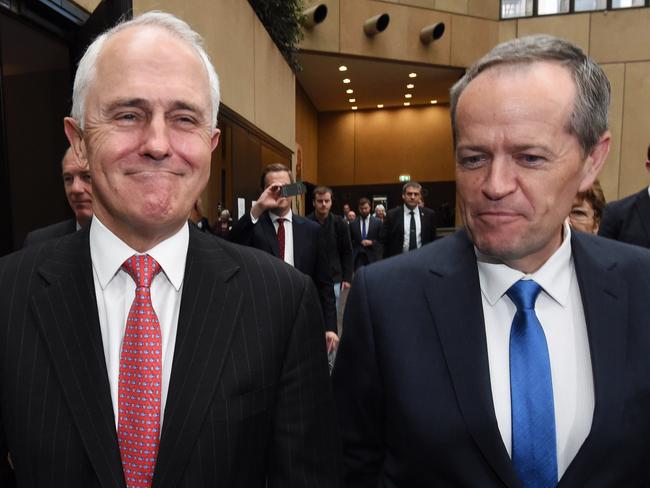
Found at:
(375, 25)
(314, 15)
(432, 33)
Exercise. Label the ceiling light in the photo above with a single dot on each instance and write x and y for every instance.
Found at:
(343, 68)
(349, 90)
(410, 85)
(406, 104)
(346, 80)
(433, 102)
(412, 75)
(354, 107)
(352, 100)
(381, 105)
(408, 95)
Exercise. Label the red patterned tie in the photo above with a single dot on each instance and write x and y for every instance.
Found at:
(281, 237)
(140, 378)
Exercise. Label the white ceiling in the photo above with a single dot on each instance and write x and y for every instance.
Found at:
(374, 82)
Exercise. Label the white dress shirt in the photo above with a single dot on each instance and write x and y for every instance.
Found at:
(367, 221)
(407, 227)
(288, 233)
(115, 290)
(559, 310)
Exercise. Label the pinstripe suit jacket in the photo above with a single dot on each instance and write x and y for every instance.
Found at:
(249, 397)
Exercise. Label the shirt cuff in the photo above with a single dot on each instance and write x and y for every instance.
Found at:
(253, 219)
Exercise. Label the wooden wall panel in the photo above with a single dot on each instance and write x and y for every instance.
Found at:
(622, 35)
(609, 176)
(336, 148)
(574, 28)
(636, 128)
(307, 134)
(471, 39)
(386, 143)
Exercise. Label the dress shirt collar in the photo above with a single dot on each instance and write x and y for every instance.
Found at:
(407, 211)
(648, 190)
(288, 217)
(108, 253)
(554, 276)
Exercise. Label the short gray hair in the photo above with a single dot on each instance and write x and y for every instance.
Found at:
(173, 25)
(589, 117)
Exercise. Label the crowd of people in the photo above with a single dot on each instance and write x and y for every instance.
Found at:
(139, 350)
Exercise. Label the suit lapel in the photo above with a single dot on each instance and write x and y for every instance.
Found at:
(642, 207)
(454, 298)
(271, 236)
(208, 316)
(66, 313)
(298, 239)
(604, 299)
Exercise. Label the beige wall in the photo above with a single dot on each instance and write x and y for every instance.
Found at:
(376, 146)
(87, 5)
(256, 82)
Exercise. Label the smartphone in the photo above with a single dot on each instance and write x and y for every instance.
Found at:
(297, 188)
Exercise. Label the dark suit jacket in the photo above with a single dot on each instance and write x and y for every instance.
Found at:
(337, 247)
(628, 220)
(43, 234)
(366, 255)
(392, 229)
(249, 392)
(412, 383)
(308, 255)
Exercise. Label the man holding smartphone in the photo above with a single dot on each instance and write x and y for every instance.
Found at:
(272, 227)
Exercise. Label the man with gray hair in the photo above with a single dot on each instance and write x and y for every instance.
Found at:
(513, 353)
(140, 351)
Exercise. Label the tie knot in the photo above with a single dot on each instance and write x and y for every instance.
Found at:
(142, 268)
(281, 220)
(411, 212)
(524, 293)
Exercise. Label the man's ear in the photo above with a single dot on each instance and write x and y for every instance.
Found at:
(215, 138)
(75, 138)
(595, 161)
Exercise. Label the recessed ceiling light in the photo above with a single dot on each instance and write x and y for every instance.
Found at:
(406, 104)
(381, 105)
(408, 95)
(343, 68)
(412, 75)
(433, 102)
(346, 80)
(352, 100)
(354, 107)
(349, 90)
(410, 85)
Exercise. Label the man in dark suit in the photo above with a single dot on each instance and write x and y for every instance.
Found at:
(335, 241)
(408, 226)
(271, 223)
(628, 219)
(515, 352)
(141, 351)
(364, 233)
(78, 191)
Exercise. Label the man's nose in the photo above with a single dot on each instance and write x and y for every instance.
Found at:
(155, 142)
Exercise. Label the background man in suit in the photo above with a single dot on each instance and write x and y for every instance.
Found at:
(409, 226)
(272, 227)
(628, 219)
(78, 191)
(335, 240)
(141, 351)
(364, 232)
(515, 352)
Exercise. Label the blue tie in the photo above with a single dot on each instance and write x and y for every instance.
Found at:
(531, 389)
(363, 228)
